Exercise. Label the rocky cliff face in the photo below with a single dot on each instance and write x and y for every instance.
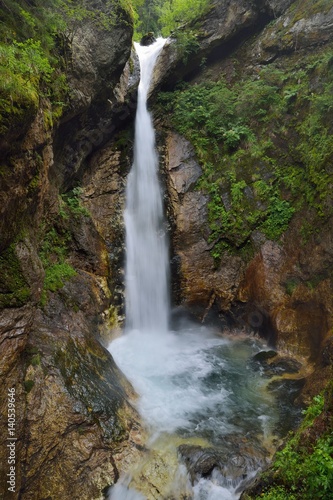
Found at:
(75, 427)
(201, 282)
(227, 25)
(281, 289)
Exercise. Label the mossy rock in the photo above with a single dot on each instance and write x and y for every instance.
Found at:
(91, 377)
(14, 290)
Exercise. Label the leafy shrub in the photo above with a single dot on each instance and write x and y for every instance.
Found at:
(303, 469)
(28, 385)
(34, 40)
(53, 254)
(187, 44)
(173, 13)
(56, 275)
(279, 214)
(70, 204)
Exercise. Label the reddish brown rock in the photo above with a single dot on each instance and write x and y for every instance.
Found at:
(201, 283)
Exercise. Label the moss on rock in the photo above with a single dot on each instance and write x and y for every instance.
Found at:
(14, 290)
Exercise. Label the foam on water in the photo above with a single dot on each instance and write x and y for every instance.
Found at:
(193, 381)
(169, 372)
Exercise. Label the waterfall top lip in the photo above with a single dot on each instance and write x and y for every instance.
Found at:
(148, 56)
(148, 50)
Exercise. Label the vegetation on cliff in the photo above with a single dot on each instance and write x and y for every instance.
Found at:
(262, 132)
(265, 144)
(14, 289)
(165, 16)
(35, 42)
(303, 469)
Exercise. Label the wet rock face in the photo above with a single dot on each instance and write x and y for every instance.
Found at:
(25, 182)
(295, 30)
(99, 51)
(301, 316)
(77, 401)
(15, 326)
(297, 323)
(75, 426)
(234, 461)
(285, 291)
(200, 283)
(104, 185)
(278, 6)
(72, 410)
(104, 74)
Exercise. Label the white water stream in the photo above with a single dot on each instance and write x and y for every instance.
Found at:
(147, 294)
(192, 382)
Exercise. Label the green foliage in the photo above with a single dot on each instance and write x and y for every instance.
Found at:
(146, 17)
(187, 44)
(278, 493)
(54, 246)
(255, 98)
(70, 205)
(23, 66)
(14, 290)
(28, 385)
(303, 469)
(34, 41)
(166, 16)
(279, 214)
(35, 360)
(53, 254)
(174, 13)
(314, 410)
(291, 285)
(56, 275)
(28, 70)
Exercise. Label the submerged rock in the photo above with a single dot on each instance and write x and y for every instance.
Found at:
(234, 461)
(271, 364)
(263, 356)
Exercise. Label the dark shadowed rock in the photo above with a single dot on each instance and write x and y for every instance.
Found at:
(148, 39)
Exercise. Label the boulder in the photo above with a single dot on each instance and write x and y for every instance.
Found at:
(148, 39)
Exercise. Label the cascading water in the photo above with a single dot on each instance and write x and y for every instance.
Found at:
(193, 383)
(147, 254)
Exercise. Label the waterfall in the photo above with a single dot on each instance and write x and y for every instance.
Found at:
(197, 386)
(147, 302)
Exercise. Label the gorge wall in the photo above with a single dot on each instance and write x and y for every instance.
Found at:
(62, 236)
(74, 423)
(237, 253)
